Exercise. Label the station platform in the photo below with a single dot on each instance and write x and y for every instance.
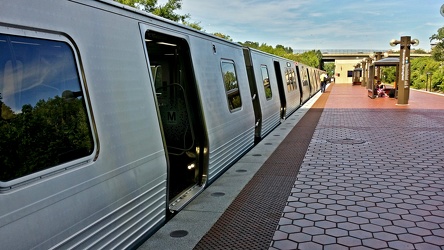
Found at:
(343, 172)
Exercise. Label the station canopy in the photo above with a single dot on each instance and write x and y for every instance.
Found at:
(389, 61)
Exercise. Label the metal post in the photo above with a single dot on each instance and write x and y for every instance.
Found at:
(378, 56)
(369, 63)
(427, 83)
(404, 68)
(364, 72)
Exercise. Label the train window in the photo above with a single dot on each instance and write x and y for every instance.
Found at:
(43, 120)
(231, 85)
(305, 77)
(291, 79)
(266, 81)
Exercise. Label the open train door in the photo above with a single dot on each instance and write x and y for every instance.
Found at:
(180, 116)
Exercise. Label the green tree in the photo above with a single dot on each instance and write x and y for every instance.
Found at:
(388, 74)
(167, 10)
(419, 69)
(329, 68)
(438, 50)
(226, 37)
(195, 25)
(250, 44)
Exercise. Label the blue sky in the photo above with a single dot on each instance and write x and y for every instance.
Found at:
(319, 24)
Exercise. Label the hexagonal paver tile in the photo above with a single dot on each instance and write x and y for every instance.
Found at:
(278, 235)
(284, 221)
(401, 245)
(315, 217)
(336, 232)
(300, 237)
(347, 213)
(360, 234)
(359, 220)
(395, 229)
(427, 246)
(349, 241)
(410, 238)
(335, 218)
(372, 228)
(325, 224)
(313, 230)
(310, 245)
(293, 215)
(436, 240)
(289, 229)
(285, 244)
(385, 236)
(404, 223)
(303, 223)
(348, 226)
(324, 239)
(381, 222)
(374, 243)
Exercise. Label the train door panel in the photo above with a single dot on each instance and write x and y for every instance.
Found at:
(280, 82)
(178, 107)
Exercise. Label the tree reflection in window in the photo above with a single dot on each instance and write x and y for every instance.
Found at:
(266, 81)
(231, 85)
(43, 120)
(291, 79)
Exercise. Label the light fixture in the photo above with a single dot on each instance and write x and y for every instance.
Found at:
(168, 44)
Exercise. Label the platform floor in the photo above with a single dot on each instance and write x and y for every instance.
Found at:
(343, 172)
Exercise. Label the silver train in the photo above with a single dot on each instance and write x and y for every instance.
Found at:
(112, 118)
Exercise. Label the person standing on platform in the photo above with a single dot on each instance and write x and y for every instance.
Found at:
(323, 79)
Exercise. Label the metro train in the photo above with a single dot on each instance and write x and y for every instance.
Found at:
(113, 118)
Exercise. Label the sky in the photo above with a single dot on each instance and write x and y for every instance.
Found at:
(319, 24)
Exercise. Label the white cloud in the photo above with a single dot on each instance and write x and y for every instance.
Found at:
(317, 24)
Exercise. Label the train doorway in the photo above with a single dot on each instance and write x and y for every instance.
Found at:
(280, 83)
(180, 115)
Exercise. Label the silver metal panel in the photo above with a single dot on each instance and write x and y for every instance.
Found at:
(123, 191)
(270, 108)
(230, 134)
(293, 97)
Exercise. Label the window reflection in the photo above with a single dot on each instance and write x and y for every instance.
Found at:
(43, 119)
(266, 81)
(291, 79)
(231, 85)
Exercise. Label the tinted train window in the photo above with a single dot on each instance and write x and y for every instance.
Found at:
(291, 79)
(231, 85)
(266, 81)
(43, 120)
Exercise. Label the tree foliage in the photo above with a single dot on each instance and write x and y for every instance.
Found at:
(53, 132)
(166, 11)
(438, 50)
(227, 37)
(311, 58)
(425, 69)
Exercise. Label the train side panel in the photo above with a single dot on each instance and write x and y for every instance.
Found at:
(291, 85)
(304, 82)
(224, 88)
(116, 193)
(264, 76)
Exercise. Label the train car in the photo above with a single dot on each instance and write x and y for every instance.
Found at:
(302, 73)
(267, 90)
(110, 118)
(291, 94)
(314, 86)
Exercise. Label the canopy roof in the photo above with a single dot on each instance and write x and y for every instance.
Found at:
(389, 61)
